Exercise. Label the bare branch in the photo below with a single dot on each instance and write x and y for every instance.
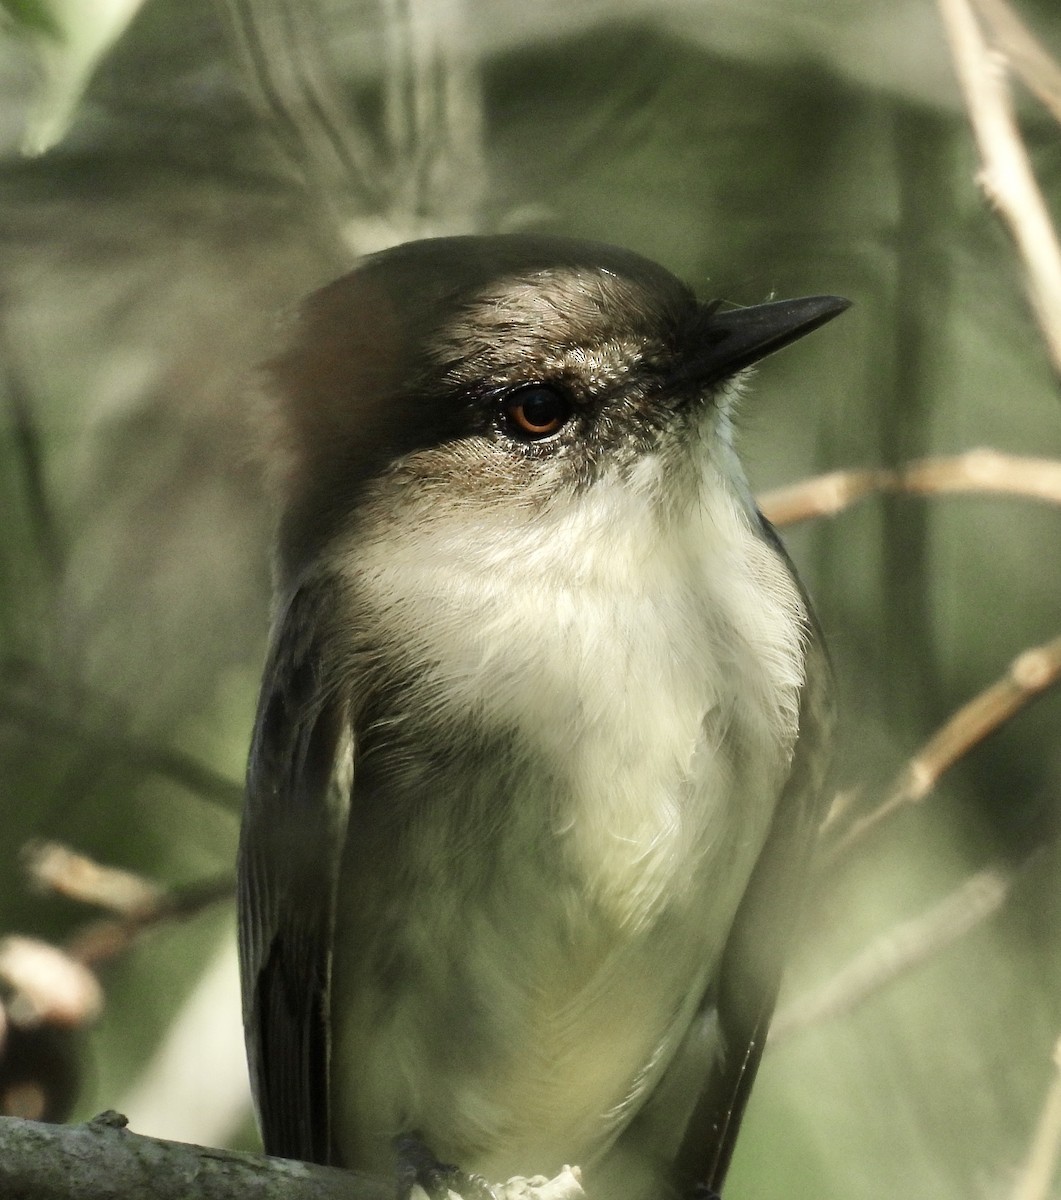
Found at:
(102, 1160)
(981, 470)
(1039, 73)
(286, 58)
(822, 496)
(55, 868)
(1041, 1164)
(138, 903)
(425, 173)
(103, 940)
(1006, 176)
(1028, 676)
(48, 991)
(899, 950)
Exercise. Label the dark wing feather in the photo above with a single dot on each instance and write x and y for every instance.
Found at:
(750, 973)
(294, 825)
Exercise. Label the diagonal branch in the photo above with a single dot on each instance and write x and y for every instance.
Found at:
(900, 949)
(1006, 175)
(982, 470)
(1028, 676)
(1041, 1163)
(1039, 73)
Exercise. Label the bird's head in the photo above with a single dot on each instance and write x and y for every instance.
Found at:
(507, 372)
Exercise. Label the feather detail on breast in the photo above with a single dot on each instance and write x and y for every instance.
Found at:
(571, 862)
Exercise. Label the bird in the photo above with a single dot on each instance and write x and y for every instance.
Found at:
(543, 729)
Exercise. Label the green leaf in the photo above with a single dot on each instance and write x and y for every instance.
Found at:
(32, 16)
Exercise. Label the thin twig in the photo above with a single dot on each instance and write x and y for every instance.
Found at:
(424, 173)
(1040, 1167)
(317, 123)
(1039, 73)
(101, 941)
(57, 985)
(982, 470)
(138, 904)
(1006, 176)
(56, 868)
(1028, 676)
(433, 118)
(901, 949)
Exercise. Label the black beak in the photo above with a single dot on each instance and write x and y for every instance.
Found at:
(739, 337)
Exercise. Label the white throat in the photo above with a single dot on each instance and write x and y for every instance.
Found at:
(655, 658)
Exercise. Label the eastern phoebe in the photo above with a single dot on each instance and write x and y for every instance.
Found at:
(539, 750)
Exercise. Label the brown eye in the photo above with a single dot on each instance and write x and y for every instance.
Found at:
(536, 412)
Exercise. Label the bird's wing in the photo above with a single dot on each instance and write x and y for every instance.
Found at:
(750, 973)
(294, 826)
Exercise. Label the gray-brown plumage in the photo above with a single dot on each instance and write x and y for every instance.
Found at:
(537, 761)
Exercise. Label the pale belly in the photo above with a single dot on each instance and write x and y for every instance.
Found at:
(551, 835)
(516, 997)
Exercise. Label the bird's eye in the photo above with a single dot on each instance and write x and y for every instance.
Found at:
(535, 412)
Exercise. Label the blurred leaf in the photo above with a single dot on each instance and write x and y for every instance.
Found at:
(85, 33)
(32, 16)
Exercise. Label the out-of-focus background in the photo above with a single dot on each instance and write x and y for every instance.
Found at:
(175, 174)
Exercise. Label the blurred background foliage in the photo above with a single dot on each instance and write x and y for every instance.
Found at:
(171, 183)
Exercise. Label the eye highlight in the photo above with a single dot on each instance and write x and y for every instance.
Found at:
(535, 412)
